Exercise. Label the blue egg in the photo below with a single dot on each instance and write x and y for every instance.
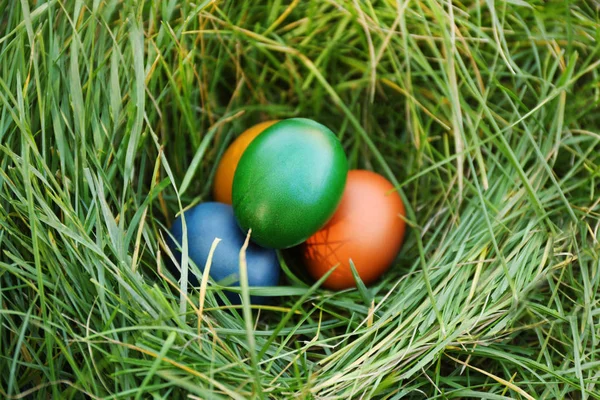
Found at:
(211, 220)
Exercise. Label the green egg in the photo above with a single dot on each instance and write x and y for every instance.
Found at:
(289, 182)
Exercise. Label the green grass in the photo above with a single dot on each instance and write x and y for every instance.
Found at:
(113, 115)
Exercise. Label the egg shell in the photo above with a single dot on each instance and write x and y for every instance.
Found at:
(289, 182)
(367, 227)
(228, 164)
(211, 220)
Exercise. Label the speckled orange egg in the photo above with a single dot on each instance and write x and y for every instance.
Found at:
(368, 227)
(226, 169)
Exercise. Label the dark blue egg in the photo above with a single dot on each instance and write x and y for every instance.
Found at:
(211, 220)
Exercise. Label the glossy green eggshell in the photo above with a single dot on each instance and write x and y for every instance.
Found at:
(289, 182)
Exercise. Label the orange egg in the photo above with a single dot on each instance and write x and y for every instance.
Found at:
(368, 227)
(226, 169)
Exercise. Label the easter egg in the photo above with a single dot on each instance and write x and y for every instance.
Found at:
(367, 227)
(289, 182)
(211, 220)
(229, 161)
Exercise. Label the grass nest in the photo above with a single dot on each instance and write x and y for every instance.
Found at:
(113, 116)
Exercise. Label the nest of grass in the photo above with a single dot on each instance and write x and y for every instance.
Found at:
(113, 117)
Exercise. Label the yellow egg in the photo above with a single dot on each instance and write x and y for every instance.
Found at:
(226, 169)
